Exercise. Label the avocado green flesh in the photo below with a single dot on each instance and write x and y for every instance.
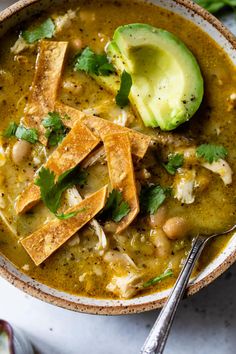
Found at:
(167, 84)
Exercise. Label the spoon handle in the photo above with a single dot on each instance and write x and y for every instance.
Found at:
(156, 340)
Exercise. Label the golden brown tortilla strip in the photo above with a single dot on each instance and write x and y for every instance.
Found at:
(43, 242)
(139, 142)
(49, 66)
(78, 143)
(121, 173)
(73, 114)
(102, 127)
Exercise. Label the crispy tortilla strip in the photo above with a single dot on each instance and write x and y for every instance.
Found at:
(43, 242)
(121, 173)
(49, 66)
(139, 142)
(102, 127)
(78, 143)
(72, 113)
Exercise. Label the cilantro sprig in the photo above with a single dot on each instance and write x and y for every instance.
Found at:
(154, 281)
(51, 190)
(55, 129)
(216, 5)
(122, 97)
(21, 132)
(175, 161)
(45, 30)
(211, 152)
(10, 130)
(116, 207)
(93, 63)
(152, 197)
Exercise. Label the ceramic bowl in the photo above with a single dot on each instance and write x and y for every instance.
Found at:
(26, 8)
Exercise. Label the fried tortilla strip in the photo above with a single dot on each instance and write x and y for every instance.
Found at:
(78, 143)
(43, 242)
(121, 173)
(49, 66)
(102, 127)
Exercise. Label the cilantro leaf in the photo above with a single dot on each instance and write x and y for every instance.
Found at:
(27, 134)
(55, 129)
(51, 191)
(174, 162)
(93, 63)
(211, 152)
(116, 208)
(151, 198)
(45, 30)
(45, 181)
(216, 5)
(72, 177)
(154, 281)
(125, 85)
(21, 132)
(10, 130)
(53, 120)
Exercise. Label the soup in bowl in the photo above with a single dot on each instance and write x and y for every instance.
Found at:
(117, 149)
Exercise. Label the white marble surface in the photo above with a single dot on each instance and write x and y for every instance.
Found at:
(205, 323)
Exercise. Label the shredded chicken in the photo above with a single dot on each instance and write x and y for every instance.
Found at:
(64, 21)
(189, 153)
(61, 23)
(102, 240)
(72, 87)
(26, 267)
(94, 157)
(126, 286)
(184, 185)
(122, 118)
(20, 46)
(222, 168)
(73, 197)
(109, 110)
(115, 257)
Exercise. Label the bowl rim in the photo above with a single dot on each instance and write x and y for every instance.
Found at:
(119, 309)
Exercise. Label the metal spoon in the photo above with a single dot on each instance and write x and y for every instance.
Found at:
(156, 340)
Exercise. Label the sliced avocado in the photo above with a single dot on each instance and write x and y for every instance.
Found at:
(167, 84)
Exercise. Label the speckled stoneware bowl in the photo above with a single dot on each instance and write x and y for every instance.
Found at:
(26, 8)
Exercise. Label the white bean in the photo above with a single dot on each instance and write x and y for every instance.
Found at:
(110, 227)
(162, 243)
(77, 44)
(158, 219)
(176, 228)
(20, 151)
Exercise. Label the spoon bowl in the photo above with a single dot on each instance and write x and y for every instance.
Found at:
(155, 342)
